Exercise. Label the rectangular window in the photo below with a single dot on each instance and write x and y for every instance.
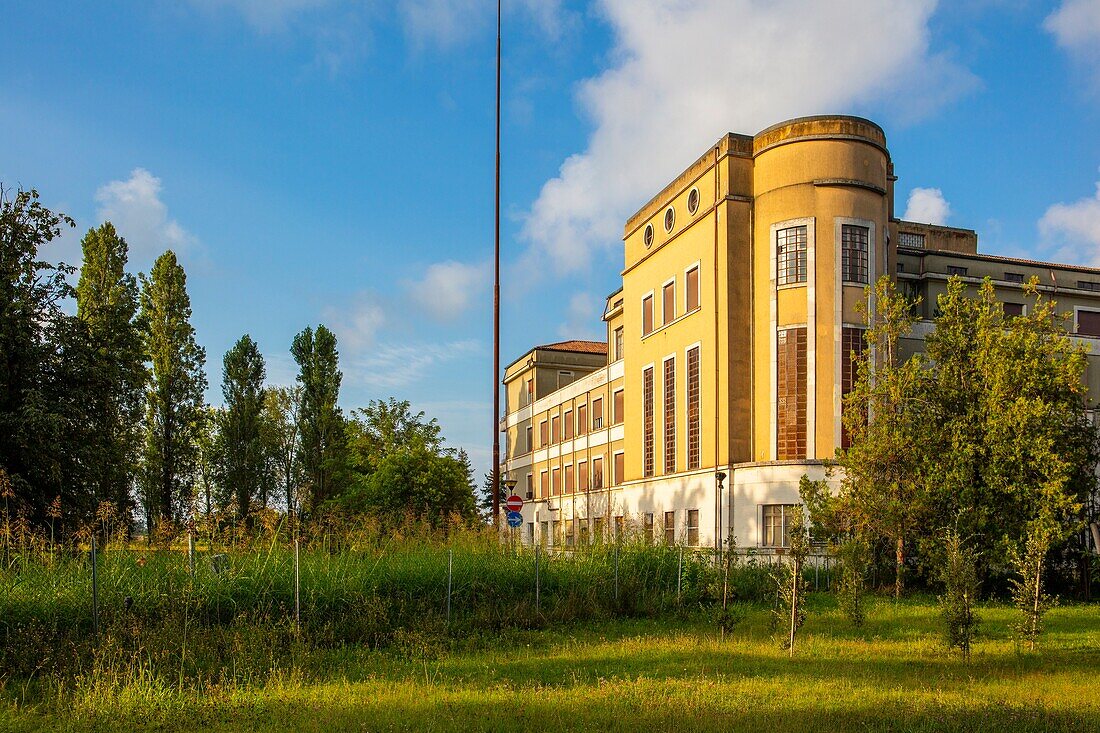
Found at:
(597, 472)
(1088, 323)
(597, 530)
(543, 533)
(668, 303)
(619, 468)
(530, 439)
(670, 415)
(582, 476)
(597, 413)
(569, 527)
(851, 349)
(1014, 277)
(556, 482)
(956, 270)
(853, 251)
(582, 419)
(617, 407)
(693, 419)
(1086, 285)
(544, 434)
(530, 483)
(691, 301)
(901, 267)
(619, 525)
(555, 428)
(647, 422)
(647, 527)
(544, 485)
(776, 518)
(564, 378)
(909, 239)
(583, 533)
(693, 528)
(568, 419)
(530, 391)
(670, 528)
(569, 479)
(1013, 309)
(790, 255)
(618, 343)
(647, 315)
(791, 394)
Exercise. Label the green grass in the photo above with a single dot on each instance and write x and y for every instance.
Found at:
(622, 675)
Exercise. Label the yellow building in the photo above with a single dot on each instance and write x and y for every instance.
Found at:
(728, 346)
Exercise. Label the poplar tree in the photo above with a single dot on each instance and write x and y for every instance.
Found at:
(280, 423)
(107, 305)
(321, 426)
(174, 397)
(243, 457)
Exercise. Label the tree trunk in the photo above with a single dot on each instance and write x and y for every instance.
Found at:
(899, 566)
(794, 602)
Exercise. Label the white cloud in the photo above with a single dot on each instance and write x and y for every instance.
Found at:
(1075, 25)
(582, 317)
(135, 207)
(357, 326)
(686, 71)
(449, 288)
(393, 366)
(1076, 227)
(927, 206)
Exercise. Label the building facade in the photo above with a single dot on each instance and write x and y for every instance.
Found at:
(728, 348)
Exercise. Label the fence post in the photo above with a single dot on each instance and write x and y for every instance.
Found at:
(450, 565)
(537, 577)
(680, 573)
(297, 592)
(191, 554)
(616, 572)
(95, 592)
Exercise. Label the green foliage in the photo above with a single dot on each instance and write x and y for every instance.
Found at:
(791, 585)
(280, 425)
(1028, 592)
(322, 432)
(241, 436)
(174, 398)
(851, 589)
(416, 483)
(107, 305)
(384, 427)
(959, 576)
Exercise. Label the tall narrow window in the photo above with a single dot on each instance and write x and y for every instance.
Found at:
(544, 434)
(693, 528)
(568, 420)
(670, 415)
(670, 528)
(530, 440)
(853, 252)
(530, 391)
(582, 476)
(791, 397)
(790, 255)
(647, 422)
(851, 349)
(582, 419)
(647, 526)
(693, 420)
(555, 428)
(618, 343)
(569, 479)
(530, 486)
(647, 315)
(556, 481)
(544, 485)
(691, 299)
(617, 407)
(620, 464)
(597, 413)
(597, 472)
(668, 302)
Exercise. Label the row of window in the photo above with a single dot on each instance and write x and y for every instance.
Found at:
(668, 300)
(670, 217)
(791, 386)
(576, 477)
(790, 254)
(565, 426)
(692, 408)
(577, 531)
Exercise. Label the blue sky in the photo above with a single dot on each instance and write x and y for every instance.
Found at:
(330, 161)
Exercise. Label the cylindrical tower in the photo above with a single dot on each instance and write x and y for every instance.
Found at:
(820, 227)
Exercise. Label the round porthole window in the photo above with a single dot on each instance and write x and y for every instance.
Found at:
(647, 236)
(693, 201)
(670, 218)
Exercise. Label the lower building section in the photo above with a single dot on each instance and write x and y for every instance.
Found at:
(747, 506)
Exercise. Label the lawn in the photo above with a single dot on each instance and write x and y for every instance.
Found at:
(894, 674)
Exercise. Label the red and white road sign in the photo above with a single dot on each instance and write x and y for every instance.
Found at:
(514, 503)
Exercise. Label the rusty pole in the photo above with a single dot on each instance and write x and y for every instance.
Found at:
(496, 309)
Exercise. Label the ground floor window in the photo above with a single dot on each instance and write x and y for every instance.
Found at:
(693, 527)
(543, 533)
(775, 519)
(647, 526)
(670, 528)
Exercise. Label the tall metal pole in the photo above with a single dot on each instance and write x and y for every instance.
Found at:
(496, 309)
